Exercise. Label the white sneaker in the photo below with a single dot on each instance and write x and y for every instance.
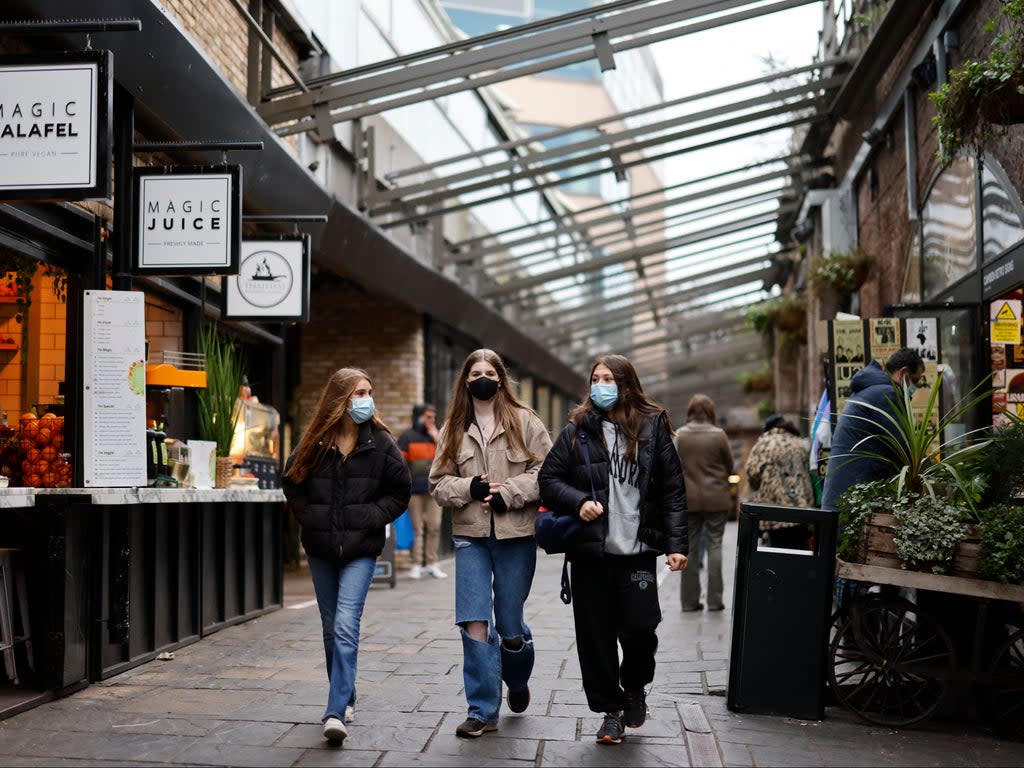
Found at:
(415, 572)
(350, 713)
(436, 572)
(334, 729)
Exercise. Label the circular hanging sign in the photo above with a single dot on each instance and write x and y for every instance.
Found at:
(265, 279)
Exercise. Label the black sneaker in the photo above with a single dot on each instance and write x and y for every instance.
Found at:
(611, 731)
(473, 728)
(635, 712)
(518, 701)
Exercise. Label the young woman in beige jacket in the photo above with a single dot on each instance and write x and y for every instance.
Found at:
(489, 452)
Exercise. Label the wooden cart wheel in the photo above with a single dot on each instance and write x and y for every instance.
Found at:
(1006, 694)
(891, 663)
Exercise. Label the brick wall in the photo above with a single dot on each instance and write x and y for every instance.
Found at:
(351, 327)
(165, 329)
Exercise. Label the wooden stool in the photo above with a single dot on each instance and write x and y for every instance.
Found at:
(11, 581)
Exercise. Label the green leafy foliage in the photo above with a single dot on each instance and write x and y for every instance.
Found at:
(928, 529)
(1001, 556)
(855, 508)
(960, 102)
(1002, 464)
(224, 371)
(842, 271)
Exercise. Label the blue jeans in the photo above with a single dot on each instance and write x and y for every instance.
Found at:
(340, 595)
(492, 581)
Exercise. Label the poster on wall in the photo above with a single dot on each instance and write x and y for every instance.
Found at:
(114, 389)
(187, 220)
(922, 334)
(272, 281)
(884, 337)
(1004, 321)
(848, 353)
(55, 128)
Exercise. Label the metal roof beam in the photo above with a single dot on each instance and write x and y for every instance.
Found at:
(705, 379)
(600, 262)
(473, 65)
(533, 162)
(739, 347)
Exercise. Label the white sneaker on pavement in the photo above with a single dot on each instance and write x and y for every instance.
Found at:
(350, 713)
(415, 572)
(334, 729)
(436, 572)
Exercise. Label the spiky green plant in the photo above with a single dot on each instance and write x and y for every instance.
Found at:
(224, 371)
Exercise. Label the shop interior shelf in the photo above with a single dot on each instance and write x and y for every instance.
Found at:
(8, 299)
(8, 345)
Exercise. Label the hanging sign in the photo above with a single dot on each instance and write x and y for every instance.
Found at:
(272, 281)
(55, 130)
(114, 389)
(1004, 321)
(187, 220)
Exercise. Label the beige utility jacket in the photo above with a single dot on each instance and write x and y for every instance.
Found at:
(502, 463)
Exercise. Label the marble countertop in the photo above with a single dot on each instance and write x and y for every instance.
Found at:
(13, 498)
(150, 495)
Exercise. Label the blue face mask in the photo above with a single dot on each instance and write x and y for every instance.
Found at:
(604, 395)
(911, 389)
(362, 409)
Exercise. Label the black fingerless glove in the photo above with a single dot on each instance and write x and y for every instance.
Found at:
(479, 488)
(498, 503)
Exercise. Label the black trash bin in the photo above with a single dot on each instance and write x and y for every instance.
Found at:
(781, 615)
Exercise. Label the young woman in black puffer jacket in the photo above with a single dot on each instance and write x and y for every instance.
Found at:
(345, 481)
(614, 467)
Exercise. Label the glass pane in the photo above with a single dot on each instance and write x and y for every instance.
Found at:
(1000, 224)
(911, 293)
(949, 228)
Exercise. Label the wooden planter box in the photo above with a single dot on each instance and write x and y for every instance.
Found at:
(878, 547)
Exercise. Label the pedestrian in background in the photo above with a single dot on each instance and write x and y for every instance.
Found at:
(778, 473)
(706, 457)
(490, 449)
(344, 482)
(418, 445)
(613, 465)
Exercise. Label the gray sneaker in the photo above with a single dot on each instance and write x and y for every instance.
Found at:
(334, 729)
(472, 728)
(611, 730)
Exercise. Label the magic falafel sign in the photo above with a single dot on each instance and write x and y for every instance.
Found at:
(272, 283)
(187, 220)
(55, 130)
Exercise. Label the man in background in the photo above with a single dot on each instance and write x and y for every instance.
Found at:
(418, 445)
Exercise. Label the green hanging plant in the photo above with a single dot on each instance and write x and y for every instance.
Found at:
(19, 270)
(842, 271)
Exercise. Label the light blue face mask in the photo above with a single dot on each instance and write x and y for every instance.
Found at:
(604, 395)
(362, 409)
(911, 389)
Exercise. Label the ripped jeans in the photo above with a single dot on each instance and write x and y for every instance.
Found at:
(492, 581)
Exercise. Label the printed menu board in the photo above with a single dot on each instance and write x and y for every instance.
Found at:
(114, 389)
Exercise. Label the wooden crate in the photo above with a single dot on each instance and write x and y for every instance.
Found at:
(879, 548)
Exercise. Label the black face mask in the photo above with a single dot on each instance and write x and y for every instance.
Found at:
(483, 388)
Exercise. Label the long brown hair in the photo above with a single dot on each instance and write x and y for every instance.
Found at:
(460, 407)
(631, 409)
(330, 421)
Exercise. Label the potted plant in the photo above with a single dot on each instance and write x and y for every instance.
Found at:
(760, 379)
(1001, 546)
(841, 272)
(224, 372)
(917, 516)
(981, 97)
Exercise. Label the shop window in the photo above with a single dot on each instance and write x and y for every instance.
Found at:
(949, 228)
(911, 293)
(1000, 213)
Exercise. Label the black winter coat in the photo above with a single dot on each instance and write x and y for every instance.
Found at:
(345, 505)
(565, 485)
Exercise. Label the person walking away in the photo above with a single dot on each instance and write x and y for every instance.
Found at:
(703, 449)
(344, 482)
(490, 450)
(614, 467)
(419, 445)
(778, 473)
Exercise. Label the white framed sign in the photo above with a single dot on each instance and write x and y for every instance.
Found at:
(114, 389)
(187, 220)
(272, 281)
(55, 126)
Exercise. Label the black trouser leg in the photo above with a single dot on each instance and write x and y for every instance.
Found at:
(615, 600)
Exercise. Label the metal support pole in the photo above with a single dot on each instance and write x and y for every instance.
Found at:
(124, 136)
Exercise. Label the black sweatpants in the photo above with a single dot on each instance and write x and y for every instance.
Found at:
(615, 602)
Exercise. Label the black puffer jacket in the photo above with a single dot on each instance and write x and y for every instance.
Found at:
(565, 485)
(344, 506)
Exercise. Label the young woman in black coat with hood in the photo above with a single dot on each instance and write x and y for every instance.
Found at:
(345, 481)
(615, 467)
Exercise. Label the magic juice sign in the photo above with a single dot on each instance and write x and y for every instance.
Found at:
(55, 130)
(187, 220)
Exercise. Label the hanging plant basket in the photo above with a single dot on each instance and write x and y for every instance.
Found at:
(791, 318)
